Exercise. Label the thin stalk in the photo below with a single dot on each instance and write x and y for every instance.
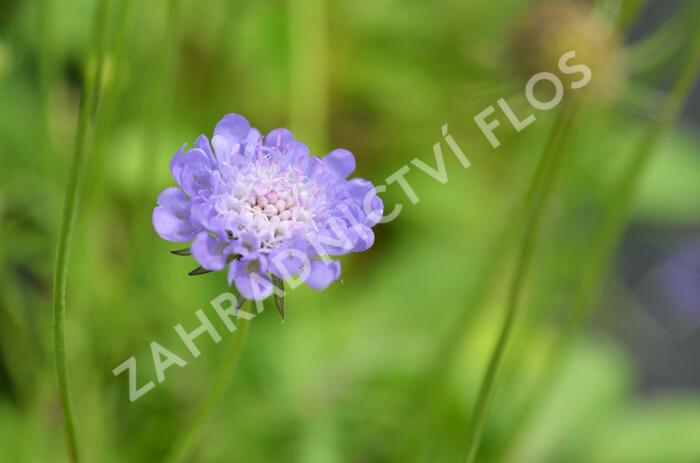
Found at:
(183, 446)
(46, 75)
(556, 145)
(110, 98)
(308, 103)
(494, 260)
(606, 242)
(103, 128)
(590, 282)
(68, 221)
(492, 264)
(158, 105)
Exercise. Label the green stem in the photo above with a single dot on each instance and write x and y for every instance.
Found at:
(109, 97)
(188, 439)
(494, 260)
(308, 104)
(606, 242)
(158, 105)
(556, 147)
(46, 75)
(70, 211)
(492, 264)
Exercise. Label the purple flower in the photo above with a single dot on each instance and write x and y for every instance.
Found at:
(262, 205)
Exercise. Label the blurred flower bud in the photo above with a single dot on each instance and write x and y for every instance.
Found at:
(552, 29)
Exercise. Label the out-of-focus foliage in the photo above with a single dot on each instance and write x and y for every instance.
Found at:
(340, 380)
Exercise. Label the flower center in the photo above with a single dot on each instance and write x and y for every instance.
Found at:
(276, 204)
(272, 204)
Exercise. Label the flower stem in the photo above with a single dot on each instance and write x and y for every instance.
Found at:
(444, 355)
(553, 151)
(308, 103)
(184, 444)
(493, 264)
(160, 101)
(70, 211)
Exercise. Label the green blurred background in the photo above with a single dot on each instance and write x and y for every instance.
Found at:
(356, 373)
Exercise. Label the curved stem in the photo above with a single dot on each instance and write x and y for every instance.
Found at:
(223, 376)
(70, 210)
(492, 264)
(555, 149)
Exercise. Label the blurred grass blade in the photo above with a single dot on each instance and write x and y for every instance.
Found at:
(88, 99)
(605, 243)
(308, 103)
(554, 150)
(492, 264)
(109, 103)
(47, 70)
(630, 11)
(614, 225)
(658, 48)
(183, 445)
(162, 83)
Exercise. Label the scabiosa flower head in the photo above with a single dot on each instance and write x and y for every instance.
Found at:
(263, 206)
